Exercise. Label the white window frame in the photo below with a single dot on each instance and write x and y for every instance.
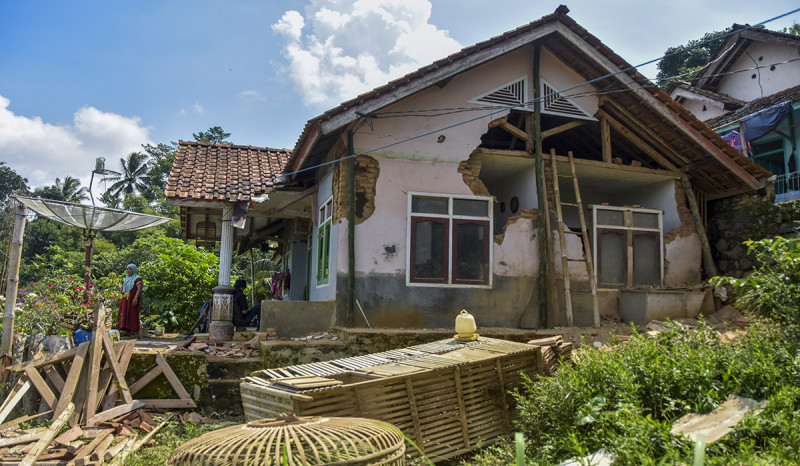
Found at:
(450, 217)
(324, 218)
(659, 234)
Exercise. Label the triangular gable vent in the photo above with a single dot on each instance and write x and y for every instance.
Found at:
(556, 104)
(510, 94)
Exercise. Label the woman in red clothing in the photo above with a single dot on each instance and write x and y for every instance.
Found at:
(129, 305)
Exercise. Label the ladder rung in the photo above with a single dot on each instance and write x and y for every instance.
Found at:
(576, 260)
(569, 204)
(565, 176)
(570, 232)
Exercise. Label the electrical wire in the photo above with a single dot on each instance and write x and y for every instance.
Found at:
(491, 112)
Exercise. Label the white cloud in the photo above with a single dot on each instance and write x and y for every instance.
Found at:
(197, 108)
(251, 96)
(42, 151)
(341, 48)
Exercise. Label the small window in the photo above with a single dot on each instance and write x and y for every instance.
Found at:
(449, 240)
(324, 242)
(628, 245)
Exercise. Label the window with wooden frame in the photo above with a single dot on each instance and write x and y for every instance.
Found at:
(325, 214)
(449, 240)
(628, 246)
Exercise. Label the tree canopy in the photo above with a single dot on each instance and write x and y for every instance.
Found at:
(683, 62)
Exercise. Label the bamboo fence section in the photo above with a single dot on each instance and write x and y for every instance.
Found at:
(448, 397)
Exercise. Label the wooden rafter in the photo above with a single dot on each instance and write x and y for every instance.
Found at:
(561, 128)
(641, 144)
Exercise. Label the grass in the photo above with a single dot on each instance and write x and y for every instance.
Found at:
(626, 401)
(172, 435)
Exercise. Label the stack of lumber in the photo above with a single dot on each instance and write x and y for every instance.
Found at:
(554, 351)
(85, 387)
(110, 441)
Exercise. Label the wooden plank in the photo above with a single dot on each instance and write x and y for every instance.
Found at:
(562, 128)
(54, 377)
(146, 379)
(172, 378)
(605, 139)
(169, 404)
(119, 374)
(708, 259)
(48, 436)
(22, 386)
(20, 439)
(98, 455)
(41, 386)
(114, 412)
(90, 447)
(12, 424)
(125, 352)
(641, 144)
(72, 378)
(96, 357)
(50, 359)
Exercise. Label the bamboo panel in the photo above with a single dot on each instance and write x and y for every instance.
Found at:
(449, 397)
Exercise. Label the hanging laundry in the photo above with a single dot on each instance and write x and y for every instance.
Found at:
(761, 123)
(735, 139)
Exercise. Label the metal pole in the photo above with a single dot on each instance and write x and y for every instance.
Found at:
(13, 279)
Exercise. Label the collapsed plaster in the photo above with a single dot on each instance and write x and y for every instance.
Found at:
(470, 170)
(367, 170)
(682, 248)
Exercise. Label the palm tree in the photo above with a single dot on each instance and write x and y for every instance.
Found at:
(70, 190)
(132, 178)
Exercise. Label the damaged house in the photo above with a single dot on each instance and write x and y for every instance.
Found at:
(476, 182)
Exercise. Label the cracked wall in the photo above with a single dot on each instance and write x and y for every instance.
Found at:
(367, 170)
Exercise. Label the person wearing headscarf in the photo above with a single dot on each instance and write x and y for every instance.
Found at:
(243, 316)
(130, 304)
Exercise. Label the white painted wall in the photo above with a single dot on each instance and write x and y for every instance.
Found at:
(741, 85)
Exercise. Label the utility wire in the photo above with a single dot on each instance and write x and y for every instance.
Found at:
(492, 111)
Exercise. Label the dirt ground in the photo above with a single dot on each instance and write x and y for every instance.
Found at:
(726, 318)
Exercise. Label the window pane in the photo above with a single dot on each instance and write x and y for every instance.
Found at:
(429, 205)
(610, 217)
(645, 220)
(470, 243)
(429, 253)
(470, 207)
(611, 258)
(646, 263)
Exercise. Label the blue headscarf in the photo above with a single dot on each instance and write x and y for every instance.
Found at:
(130, 280)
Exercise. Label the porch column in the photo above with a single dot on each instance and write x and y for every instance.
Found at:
(221, 328)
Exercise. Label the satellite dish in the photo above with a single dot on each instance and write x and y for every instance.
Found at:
(91, 219)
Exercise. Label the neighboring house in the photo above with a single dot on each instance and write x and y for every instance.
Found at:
(444, 211)
(751, 89)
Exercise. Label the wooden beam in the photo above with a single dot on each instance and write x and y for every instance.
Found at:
(47, 437)
(562, 128)
(605, 139)
(513, 130)
(633, 120)
(22, 386)
(72, 378)
(42, 387)
(708, 259)
(620, 128)
(613, 166)
(296, 198)
(485, 151)
(659, 107)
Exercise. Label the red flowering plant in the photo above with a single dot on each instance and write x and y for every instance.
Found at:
(59, 305)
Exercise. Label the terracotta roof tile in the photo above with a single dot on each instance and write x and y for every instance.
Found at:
(792, 95)
(223, 172)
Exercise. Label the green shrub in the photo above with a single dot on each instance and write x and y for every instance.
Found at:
(626, 400)
(773, 288)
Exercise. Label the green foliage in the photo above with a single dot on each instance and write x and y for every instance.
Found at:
(773, 288)
(684, 61)
(214, 135)
(170, 437)
(56, 305)
(178, 277)
(69, 190)
(626, 400)
(132, 179)
(794, 30)
(11, 183)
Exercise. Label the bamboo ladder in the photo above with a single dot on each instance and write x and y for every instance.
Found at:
(587, 256)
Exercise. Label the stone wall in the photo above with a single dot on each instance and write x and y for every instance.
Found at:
(753, 216)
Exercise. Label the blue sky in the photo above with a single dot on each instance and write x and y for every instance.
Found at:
(82, 79)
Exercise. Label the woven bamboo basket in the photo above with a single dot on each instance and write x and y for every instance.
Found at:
(290, 440)
(448, 397)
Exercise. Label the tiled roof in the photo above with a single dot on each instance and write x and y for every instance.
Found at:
(792, 95)
(729, 102)
(223, 172)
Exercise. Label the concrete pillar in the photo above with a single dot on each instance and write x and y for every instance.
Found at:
(226, 248)
(221, 328)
